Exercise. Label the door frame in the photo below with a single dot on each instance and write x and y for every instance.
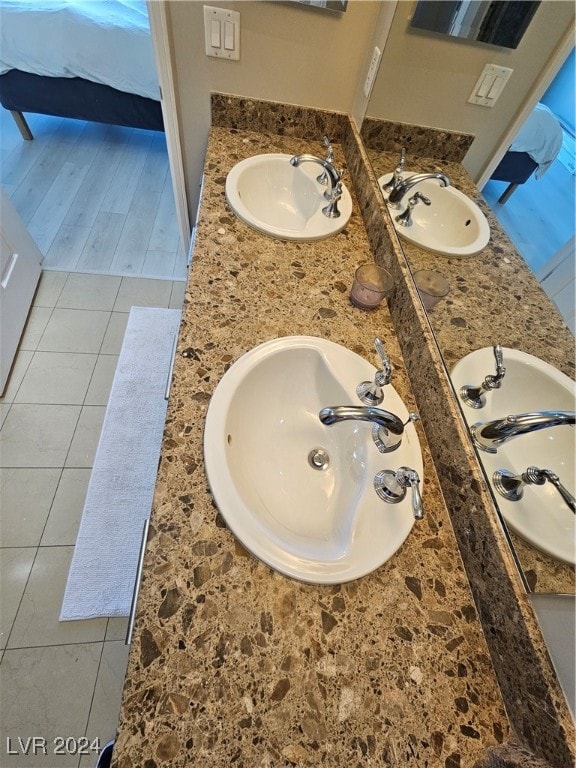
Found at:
(539, 88)
(158, 17)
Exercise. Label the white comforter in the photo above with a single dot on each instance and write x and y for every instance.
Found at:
(541, 137)
(106, 41)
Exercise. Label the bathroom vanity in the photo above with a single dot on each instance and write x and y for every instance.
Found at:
(234, 664)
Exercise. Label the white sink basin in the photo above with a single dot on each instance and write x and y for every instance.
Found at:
(452, 225)
(541, 517)
(282, 201)
(323, 526)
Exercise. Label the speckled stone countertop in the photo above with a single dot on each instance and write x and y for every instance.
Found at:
(234, 664)
(494, 298)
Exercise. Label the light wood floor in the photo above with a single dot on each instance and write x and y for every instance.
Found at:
(96, 198)
(539, 215)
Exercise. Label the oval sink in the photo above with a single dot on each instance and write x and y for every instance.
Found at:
(282, 201)
(541, 517)
(452, 225)
(298, 494)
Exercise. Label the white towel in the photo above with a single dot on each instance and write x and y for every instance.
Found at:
(121, 487)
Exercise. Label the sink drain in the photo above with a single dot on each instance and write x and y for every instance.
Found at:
(318, 458)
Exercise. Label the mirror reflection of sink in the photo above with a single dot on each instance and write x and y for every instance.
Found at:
(318, 521)
(452, 225)
(272, 196)
(541, 516)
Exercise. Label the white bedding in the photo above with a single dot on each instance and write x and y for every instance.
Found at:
(540, 137)
(106, 41)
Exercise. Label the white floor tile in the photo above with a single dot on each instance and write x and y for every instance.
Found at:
(49, 288)
(17, 373)
(89, 292)
(74, 330)
(102, 378)
(46, 692)
(107, 695)
(86, 437)
(140, 292)
(4, 408)
(37, 435)
(117, 628)
(177, 295)
(57, 377)
(114, 335)
(15, 567)
(26, 496)
(66, 511)
(35, 327)
(37, 621)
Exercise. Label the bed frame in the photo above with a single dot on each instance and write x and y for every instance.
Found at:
(515, 168)
(76, 98)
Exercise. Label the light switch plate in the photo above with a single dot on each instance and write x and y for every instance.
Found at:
(490, 85)
(222, 33)
(372, 69)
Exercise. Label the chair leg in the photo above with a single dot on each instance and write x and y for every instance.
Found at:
(23, 126)
(507, 192)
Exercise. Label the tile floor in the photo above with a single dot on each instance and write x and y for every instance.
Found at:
(58, 679)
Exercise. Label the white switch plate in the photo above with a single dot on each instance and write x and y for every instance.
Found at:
(222, 33)
(490, 85)
(372, 69)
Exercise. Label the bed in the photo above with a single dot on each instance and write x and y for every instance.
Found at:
(533, 150)
(77, 59)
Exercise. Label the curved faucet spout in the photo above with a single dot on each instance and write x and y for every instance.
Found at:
(332, 175)
(405, 186)
(488, 436)
(335, 414)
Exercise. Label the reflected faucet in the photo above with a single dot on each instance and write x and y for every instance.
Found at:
(406, 185)
(511, 486)
(391, 428)
(333, 181)
(475, 397)
(488, 436)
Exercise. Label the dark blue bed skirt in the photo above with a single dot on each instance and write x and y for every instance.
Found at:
(78, 98)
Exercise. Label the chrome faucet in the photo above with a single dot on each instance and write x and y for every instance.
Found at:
(389, 428)
(396, 177)
(406, 185)
(333, 182)
(511, 486)
(323, 177)
(488, 436)
(475, 396)
(392, 487)
(372, 392)
(405, 218)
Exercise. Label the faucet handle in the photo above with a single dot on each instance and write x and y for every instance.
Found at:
(371, 392)
(400, 166)
(500, 369)
(328, 146)
(323, 177)
(392, 487)
(475, 396)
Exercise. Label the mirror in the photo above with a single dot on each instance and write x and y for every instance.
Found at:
(326, 5)
(493, 298)
(495, 22)
(473, 315)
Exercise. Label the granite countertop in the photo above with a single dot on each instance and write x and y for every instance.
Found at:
(234, 664)
(494, 298)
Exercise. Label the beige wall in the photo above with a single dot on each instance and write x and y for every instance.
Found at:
(300, 55)
(288, 53)
(426, 79)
